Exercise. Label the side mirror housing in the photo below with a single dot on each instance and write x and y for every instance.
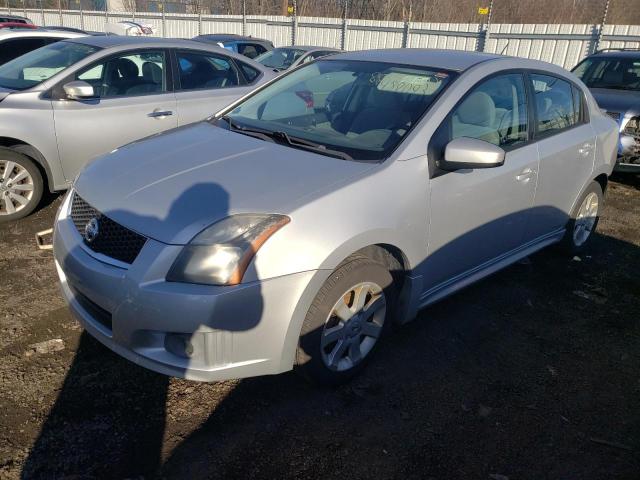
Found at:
(79, 90)
(465, 152)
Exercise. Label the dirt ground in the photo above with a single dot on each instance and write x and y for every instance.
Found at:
(533, 373)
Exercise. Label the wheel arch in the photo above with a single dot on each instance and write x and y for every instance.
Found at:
(387, 253)
(34, 154)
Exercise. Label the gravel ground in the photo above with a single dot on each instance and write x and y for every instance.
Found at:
(530, 374)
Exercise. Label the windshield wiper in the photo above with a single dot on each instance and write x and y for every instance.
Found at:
(297, 142)
(294, 142)
(251, 132)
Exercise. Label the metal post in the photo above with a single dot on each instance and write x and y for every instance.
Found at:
(199, 22)
(81, 16)
(406, 30)
(133, 12)
(343, 37)
(164, 26)
(9, 6)
(42, 13)
(294, 23)
(485, 31)
(602, 25)
(24, 7)
(60, 11)
(244, 17)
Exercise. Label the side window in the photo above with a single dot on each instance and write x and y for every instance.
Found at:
(555, 106)
(494, 111)
(139, 73)
(205, 71)
(250, 73)
(251, 50)
(17, 47)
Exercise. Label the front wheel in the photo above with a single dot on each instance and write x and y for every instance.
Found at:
(584, 218)
(346, 321)
(20, 185)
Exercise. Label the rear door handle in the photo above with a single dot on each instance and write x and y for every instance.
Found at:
(525, 175)
(160, 114)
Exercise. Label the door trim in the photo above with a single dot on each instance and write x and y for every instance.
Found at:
(487, 268)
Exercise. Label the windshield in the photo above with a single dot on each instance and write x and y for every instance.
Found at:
(362, 109)
(620, 73)
(280, 58)
(39, 65)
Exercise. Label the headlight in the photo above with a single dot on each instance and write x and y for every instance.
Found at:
(221, 253)
(632, 127)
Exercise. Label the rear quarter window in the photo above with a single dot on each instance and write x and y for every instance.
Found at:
(250, 73)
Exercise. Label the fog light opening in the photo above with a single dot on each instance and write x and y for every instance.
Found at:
(179, 344)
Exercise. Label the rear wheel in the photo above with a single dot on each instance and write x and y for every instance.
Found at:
(584, 219)
(20, 185)
(346, 321)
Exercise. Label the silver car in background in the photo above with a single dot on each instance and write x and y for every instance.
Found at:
(284, 58)
(68, 102)
(297, 225)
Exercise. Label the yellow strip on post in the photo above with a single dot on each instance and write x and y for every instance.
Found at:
(483, 10)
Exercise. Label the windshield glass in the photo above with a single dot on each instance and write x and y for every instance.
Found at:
(620, 73)
(39, 65)
(363, 109)
(280, 58)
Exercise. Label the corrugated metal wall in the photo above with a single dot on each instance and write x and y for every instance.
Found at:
(563, 45)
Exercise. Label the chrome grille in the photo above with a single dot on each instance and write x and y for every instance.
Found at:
(112, 240)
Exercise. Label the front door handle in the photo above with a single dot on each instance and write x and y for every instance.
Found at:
(525, 175)
(160, 114)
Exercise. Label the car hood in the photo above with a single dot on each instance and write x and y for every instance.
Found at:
(621, 101)
(171, 186)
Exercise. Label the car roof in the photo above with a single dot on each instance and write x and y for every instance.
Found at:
(230, 37)
(5, 34)
(617, 53)
(309, 48)
(457, 60)
(17, 17)
(108, 41)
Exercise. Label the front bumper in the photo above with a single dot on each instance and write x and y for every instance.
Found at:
(198, 332)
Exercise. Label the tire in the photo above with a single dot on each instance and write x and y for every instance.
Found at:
(584, 219)
(329, 362)
(18, 198)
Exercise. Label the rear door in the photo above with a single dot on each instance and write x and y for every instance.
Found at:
(205, 83)
(134, 100)
(566, 144)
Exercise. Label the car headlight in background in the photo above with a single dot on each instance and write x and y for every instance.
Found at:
(632, 127)
(221, 253)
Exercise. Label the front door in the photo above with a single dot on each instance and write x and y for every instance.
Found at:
(133, 101)
(479, 216)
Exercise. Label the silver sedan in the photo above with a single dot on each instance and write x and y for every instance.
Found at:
(297, 225)
(70, 101)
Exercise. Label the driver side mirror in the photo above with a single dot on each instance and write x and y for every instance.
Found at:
(464, 152)
(79, 90)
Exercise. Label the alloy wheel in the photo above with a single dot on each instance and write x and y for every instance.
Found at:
(353, 326)
(586, 219)
(16, 187)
